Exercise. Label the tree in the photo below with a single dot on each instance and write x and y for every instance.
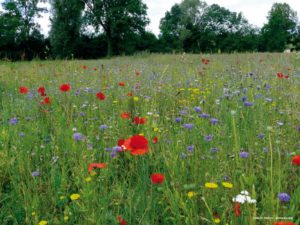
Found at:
(179, 28)
(280, 29)
(66, 23)
(117, 18)
(18, 26)
(225, 30)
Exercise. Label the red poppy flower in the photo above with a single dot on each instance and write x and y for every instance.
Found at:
(296, 160)
(129, 94)
(23, 90)
(157, 178)
(42, 90)
(95, 69)
(155, 140)
(280, 75)
(65, 87)
(237, 209)
(96, 165)
(286, 77)
(46, 101)
(120, 220)
(122, 84)
(84, 67)
(284, 223)
(125, 115)
(139, 120)
(137, 145)
(205, 61)
(100, 96)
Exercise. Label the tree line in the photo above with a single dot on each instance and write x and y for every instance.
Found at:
(97, 28)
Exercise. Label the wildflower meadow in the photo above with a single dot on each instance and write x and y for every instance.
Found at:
(151, 140)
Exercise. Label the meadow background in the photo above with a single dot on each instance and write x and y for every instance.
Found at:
(216, 125)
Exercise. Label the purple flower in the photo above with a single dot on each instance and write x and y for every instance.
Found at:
(183, 112)
(283, 197)
(178, 119)
(244, 98)
(214, 121)
(103, 127)
(35, 174)
(298, 128)
(77, 136)
(21, 134)
(248, 103)
(214, 150)
(117, 149)
(188, 126)
(113, 154)
(244, 155)
(261, 136)
(197, 109)
(258, 96)
(13, 121)
(190, 148)
(208, 137)
(82, 114)
(204, 115)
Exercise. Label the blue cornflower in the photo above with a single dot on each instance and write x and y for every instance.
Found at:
(190, 148)
(214, 121)
(197, 109)
(244, 155)
(204, 115)
(283, 197)
(208, 137)
(188, 126)
(35, 174)
(178, 119)
(77, 136)
(13, 121)
(248, 103)
(103, 127)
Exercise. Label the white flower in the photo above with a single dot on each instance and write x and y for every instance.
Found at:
(244, 192)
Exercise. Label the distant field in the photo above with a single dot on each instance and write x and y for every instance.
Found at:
(151, 140)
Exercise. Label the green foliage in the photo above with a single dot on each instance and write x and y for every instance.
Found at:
(193, 26)
(66, 23)
(281, 27)
(117, 18)
(18, 29)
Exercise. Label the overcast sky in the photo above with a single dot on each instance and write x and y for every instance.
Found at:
(254, 10)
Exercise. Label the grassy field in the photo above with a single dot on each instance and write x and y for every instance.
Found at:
(151, 140)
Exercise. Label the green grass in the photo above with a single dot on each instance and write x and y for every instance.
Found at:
(168, 85)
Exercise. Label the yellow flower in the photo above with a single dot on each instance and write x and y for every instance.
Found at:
(211, 185)
(33, 213)
(136, 98)
(93, 173)
(43, 222)
(155, 129)
(217, 220)
(88, 179)
(191, 194)
(227, 185)
(66, 218)
(74, 197)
